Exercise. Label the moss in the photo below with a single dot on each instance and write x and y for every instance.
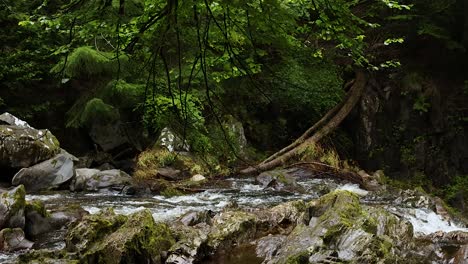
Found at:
(47, 257)
(299, 258)
(232, 228)
(92, 228)
(139, 239)
(37, 206)
(171, 192)
(15, 199)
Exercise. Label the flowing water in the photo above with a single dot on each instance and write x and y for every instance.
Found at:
(243, 193)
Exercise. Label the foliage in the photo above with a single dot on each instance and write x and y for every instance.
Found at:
(96, 110)
(457, 189)
(85, 62)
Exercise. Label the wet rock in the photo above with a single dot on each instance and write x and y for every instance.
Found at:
(191, 247)
(12, 239)
(197, 178)
(12, 205)
(461, 257)
(194, 218)
(268, 246)
(285, 216)
(231, 228)
(93, 180)
(23, 146)
(62, 218)
(37, 219)
(45, 256)
(108, 238)
(171, 141)
(342, 230)
(46, 175)
(279, 180)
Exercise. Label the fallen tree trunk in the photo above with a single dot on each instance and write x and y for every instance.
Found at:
(312, 129)
(323, 127)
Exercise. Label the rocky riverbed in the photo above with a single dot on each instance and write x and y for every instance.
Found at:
(57, 212)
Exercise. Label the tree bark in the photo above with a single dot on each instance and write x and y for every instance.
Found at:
(324, 126)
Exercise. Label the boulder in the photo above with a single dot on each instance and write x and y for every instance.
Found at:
(269, 245)
(12, 239)
(9, 119)
(12, 205)
(110, 238)
(171, 141)
(46, 175)
(94, 180)
(190, 247)
(279, 180)
(231, 228)
(22, 145)
(195, 218)
(341, 230)
(108, 135)
(38, 220)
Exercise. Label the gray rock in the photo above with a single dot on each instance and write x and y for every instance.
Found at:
(279, 180)
(189, 248)
(66, 216)
(93, 180)
(22, 147)
(194, 218)
(12, 205)
(345, 231)
(68, 155)
(169, 173)
(9, 119)
(171, 141)
(37, 219)
(12, 239)
(268, 246)
(46, 175)
(108, 135)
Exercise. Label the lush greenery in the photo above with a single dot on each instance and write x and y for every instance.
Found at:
(199, 66)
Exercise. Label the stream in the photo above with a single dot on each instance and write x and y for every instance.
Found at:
(243, 193)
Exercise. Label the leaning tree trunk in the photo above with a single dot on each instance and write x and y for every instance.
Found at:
(323, 127)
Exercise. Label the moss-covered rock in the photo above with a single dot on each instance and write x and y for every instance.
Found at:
(44, 256)
(12, 205)
(38, 220)
(232, 228)
(22, 147)
(12, 239)
(110, 238)
(280, 180)
(191, 245)
(342, 230)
